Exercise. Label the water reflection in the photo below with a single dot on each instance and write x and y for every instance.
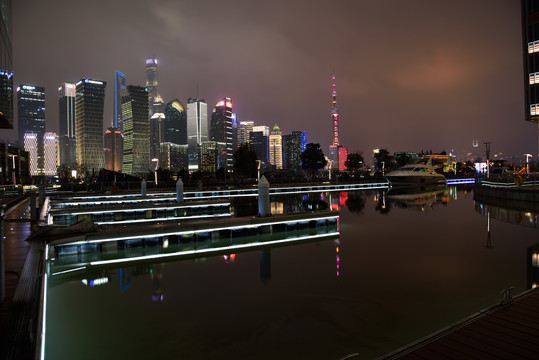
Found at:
(512, 212)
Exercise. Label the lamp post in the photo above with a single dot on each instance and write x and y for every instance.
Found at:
(487, 150)
(527, 162)
(156, 160)
(14, 178)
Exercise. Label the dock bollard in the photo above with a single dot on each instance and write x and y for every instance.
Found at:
(263, 197)
(143, 188)
(179, 190)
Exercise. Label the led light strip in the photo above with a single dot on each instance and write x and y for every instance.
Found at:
(144, 209)
(187, 232)
(160, 219)
(208, 250)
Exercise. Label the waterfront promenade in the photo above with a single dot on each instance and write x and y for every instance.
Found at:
(509, 330)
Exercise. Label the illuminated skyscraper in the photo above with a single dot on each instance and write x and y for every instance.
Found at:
(50, 150)
(6, 66)
(222, 129)
(151, 80)
(30, 145)
(530, 47)
(68, 143)
(113, 149)
(156, 127)
(173, 157)
(31, 114)
(337, 152)
(136, 130)
(276, 148)
(293, 146)
(197, 129)
(212, 156)
(244, 128)
(89, 102)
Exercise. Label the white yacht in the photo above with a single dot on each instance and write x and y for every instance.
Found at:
(415, 174)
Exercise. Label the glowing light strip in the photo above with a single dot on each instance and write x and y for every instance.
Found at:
(142, 209)
(187, 232)
(234, 193)
(460, 181)
(160, 219)
(208, 250)
(43, 324)
(68, 271)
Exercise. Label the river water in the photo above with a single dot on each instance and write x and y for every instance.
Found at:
(402, 268)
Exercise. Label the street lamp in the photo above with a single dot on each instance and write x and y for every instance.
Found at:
(156, 160)
(528, 163)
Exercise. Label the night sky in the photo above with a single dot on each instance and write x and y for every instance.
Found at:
(411, 75)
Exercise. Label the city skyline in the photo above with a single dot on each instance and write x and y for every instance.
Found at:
(443, 79)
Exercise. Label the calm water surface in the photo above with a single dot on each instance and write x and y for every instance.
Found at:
(400, 270)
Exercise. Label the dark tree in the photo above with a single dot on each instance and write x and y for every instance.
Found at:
(313, 159)
(382, 159)
(354, 161)
(184, 175)
(245, 161)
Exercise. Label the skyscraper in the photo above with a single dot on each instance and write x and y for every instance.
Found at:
(113, 149)
(68, 143)
(50, 151)
(175, 123)
(212, 156)
(31, 109)
(119, 84)
(31, 115)
(222, 128)
(276, 148)
(259, 142)
(530, 46)
(136, 130)
(31, 146)
(293, 146)
(6, 66)
(156, 127)
(244, 128)
(151, 80)
(197, 129)
(173, 157)
(89, 102)
(337, 152)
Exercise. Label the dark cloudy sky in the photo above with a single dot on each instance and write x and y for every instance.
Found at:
(411, 75)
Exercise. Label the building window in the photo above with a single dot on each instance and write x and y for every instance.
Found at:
(534, 109)
(534, 78)
(533, 47)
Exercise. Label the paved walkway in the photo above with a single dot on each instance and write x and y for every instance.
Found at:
(507, 331)
(17, 229)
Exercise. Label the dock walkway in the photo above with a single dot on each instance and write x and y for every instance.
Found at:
(509, 330)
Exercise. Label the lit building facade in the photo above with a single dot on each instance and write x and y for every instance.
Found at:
(530, 47)
(212, 156)
(89, 105)
(293, 146)
(67, 140)
(197, 129)
(31, 146)
(31, 120)
(136, 130)
(50, 151)
(244, 128)
(6, 66)
(221, 129)
(276, 148)
(173, 157)
(113, 149)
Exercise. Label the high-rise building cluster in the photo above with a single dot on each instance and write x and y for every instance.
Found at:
(146, 133)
